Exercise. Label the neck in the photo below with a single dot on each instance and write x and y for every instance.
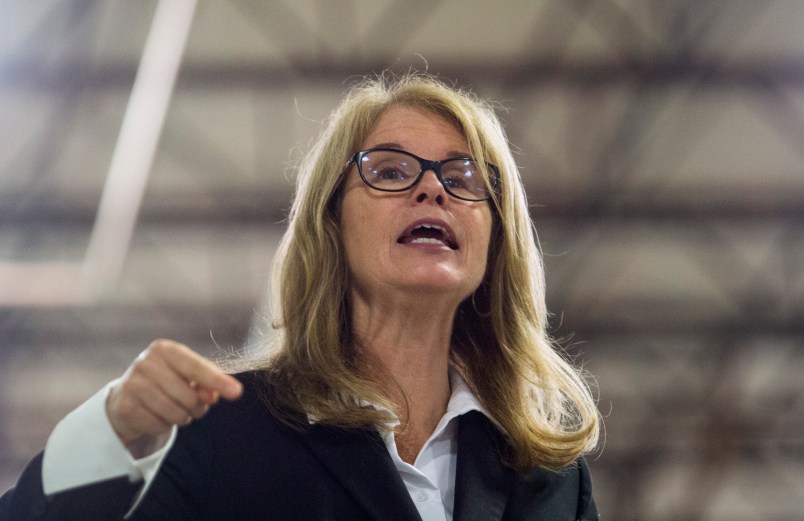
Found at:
(410, 339)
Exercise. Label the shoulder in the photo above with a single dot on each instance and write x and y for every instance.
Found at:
(220, 460)
(560, 494)
(233, 429)
(254, 410)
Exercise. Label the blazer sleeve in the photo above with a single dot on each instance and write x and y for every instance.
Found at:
(103, 501)
(548, 495)
(587, 510)
(180, 490)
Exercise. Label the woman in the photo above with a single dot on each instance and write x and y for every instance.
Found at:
(413, 378)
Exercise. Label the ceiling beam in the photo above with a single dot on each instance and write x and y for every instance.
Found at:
(517, 75)
(270, 207)
(136, 147)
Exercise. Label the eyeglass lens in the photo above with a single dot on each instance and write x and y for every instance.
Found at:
(396, 171)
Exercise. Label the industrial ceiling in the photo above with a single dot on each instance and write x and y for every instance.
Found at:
(661, 144)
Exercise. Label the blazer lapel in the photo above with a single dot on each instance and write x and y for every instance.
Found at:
(360, 461)
(482, 482)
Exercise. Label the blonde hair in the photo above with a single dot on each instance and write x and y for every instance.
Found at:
(500, 342)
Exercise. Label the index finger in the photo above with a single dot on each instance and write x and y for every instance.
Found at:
(195, 368)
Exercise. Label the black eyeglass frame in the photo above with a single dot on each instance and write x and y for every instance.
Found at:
(424, 166)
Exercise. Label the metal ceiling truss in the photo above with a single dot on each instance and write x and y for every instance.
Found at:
(657, 431)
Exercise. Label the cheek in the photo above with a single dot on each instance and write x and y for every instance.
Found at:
(358, 231)
(350, 237)
(485, 227)
(482, 238)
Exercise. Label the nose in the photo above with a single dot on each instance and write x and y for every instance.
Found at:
(430, 188)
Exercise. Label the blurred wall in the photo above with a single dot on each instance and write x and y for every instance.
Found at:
(660, 143)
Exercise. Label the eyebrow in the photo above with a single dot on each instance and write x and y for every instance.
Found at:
(451, 154)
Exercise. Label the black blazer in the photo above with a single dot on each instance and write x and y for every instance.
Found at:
(240, 463)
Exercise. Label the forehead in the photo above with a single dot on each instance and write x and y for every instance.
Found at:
(416, 130)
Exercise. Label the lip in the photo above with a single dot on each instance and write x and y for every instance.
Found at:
(447, 229)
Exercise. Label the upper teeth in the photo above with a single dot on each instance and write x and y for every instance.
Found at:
(435, 226)
(442, 240)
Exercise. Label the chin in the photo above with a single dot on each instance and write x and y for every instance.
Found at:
(436, 283)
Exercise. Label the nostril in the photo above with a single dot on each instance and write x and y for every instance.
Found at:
(440, 199)
(421, 197)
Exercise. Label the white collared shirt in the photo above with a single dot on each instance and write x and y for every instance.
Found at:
(84, 449)
(431, 479)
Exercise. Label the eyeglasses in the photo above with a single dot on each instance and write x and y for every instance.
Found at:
(392, 170)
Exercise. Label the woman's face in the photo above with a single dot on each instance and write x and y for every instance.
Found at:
(389, 237)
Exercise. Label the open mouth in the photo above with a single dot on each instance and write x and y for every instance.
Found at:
(429, 233)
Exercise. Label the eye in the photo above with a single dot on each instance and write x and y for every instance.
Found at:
(389, 169)
(455, 181)
(462, 175)
(389, 173)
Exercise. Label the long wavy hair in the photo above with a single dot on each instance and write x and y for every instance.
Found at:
(500, 342)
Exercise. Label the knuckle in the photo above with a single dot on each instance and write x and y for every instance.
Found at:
(133, 386)
(157, 346)
(138, 366)
(163, 347)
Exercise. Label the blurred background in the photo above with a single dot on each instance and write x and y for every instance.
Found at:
(661, 143)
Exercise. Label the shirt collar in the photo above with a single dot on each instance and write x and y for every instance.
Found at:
(461, 401)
